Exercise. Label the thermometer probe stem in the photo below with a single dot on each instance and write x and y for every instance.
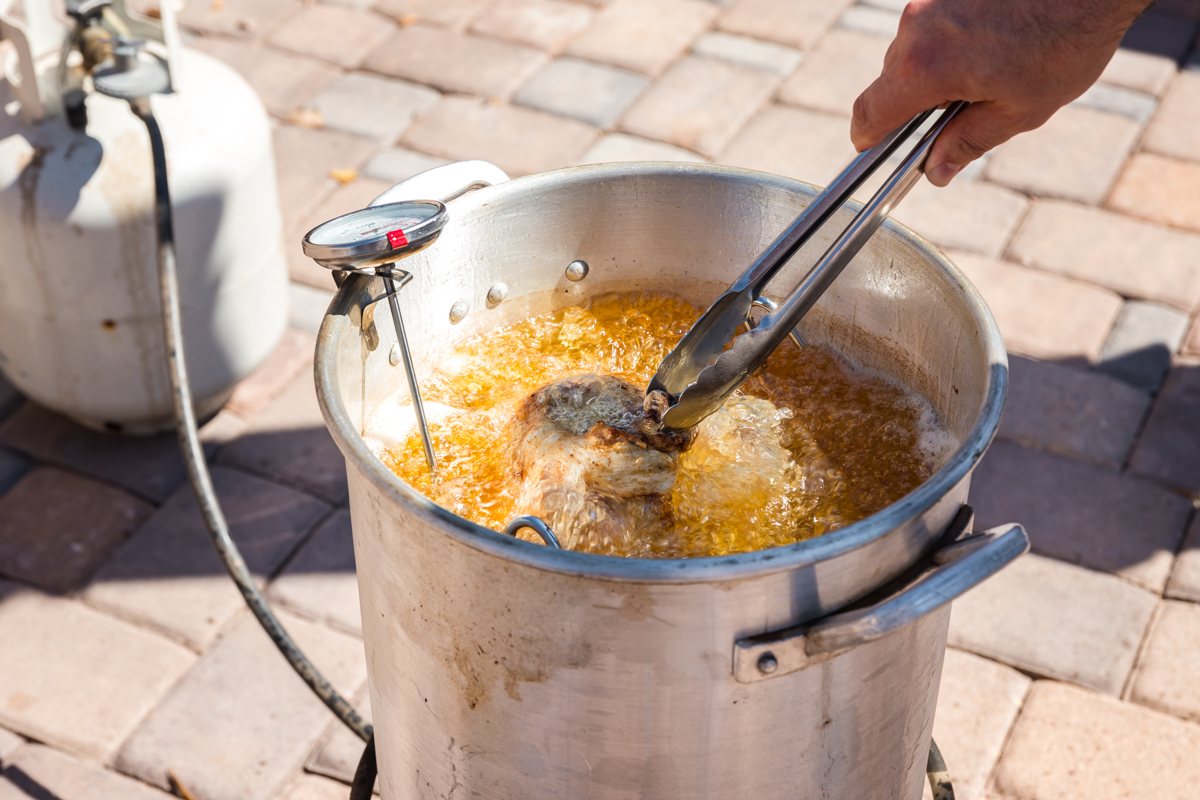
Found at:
(385, 271)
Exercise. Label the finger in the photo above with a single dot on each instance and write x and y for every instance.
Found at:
(968, 136)
(887, 104)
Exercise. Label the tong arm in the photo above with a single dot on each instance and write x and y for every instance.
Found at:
(709, 334)
(731, 368)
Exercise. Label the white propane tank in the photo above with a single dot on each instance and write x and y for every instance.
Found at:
(80, 317)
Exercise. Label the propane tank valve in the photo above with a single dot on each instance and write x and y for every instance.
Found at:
(134, 74)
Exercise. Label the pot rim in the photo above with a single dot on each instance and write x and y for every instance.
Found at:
(682, 570)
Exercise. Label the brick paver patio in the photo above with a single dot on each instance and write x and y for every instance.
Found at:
(125, 653)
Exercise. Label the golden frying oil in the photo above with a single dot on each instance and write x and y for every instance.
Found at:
(810, 445)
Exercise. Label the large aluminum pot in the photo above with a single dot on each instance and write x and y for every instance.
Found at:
(504, 669)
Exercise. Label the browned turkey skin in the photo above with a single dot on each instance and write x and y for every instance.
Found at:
(594, 460)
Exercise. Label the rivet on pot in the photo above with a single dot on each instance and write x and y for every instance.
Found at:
(767, 663)
(394, 355)
(577, 271)
(496, 294)
(458, 311)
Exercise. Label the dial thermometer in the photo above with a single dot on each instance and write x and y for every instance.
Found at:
(370, 242)
(380, 235)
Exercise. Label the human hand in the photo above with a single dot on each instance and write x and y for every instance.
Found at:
(1017, 61)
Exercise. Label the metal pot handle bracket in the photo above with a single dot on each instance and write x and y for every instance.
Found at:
(956, 568)
(444, 183)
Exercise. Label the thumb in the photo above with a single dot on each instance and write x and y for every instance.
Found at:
(887, 104)
(979, 128)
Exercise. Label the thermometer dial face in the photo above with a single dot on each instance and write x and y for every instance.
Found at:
(378, 235)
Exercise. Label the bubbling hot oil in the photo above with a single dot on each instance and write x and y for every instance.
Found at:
(808, 445)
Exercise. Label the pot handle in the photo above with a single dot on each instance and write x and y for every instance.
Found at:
(444, 183)
(957, 567)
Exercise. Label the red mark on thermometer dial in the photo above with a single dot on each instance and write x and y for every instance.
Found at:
(397, 238)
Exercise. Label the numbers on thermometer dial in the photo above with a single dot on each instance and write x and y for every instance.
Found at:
(353, 229)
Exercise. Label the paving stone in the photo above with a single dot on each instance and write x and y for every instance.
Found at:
(56, 527)
(1082, 415)
(978, 217)
(1138, 106)
(1144, 72)
(361, 5)
(293, 353)
(149, 466)
(399, 164)
(874, 21)
(593, 93)
(1167, 449)
(241, 723)
(40, 773)
(454, 14)
(977, 704)
(1163, 34)
(339, 34)
(1054, 619)
(307, 305)
(544, 24)
(1165, 678)
(75, 678)
(241, 18)
(615, 147)
(771, 142)
(339, 751)
(283, 81)
(643, 35)
(12, 468)
(1185, 579)
(832, 76)
(1071, 743)
(1100, 247)
(320, 582)
(1161, 190)
(1042, 315)
(1139, 349)
(748, 52)
(10, 743)
(455, 62)
(1173, 131)
(304, 159)
(372, 106)
(1191, 342)
(221, 429)
(168, 577)
(699, 104)
(1076, 155)
(10, 398)
(313, 787)
(287, 441)
(798, 23)
(355, 195)
(520, 141)
(1082, 514)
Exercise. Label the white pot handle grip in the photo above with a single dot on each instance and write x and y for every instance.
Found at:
(958, 567)
(444, 183)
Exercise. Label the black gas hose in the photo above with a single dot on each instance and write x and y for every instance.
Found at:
(193, 452)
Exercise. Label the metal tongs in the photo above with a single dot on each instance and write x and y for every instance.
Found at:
(699, 374)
